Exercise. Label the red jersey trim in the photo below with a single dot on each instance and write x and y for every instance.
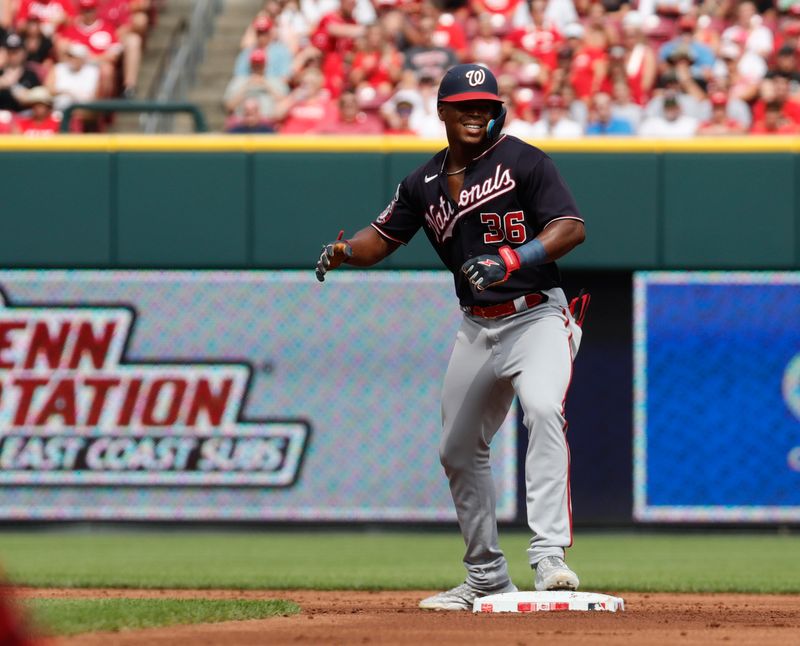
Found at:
(386, 235)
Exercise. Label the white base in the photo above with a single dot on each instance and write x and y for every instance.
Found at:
(552, 601)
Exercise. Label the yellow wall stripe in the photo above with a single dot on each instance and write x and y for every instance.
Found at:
(368, 144)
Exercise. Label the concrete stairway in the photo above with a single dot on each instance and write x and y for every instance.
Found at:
(221, 51)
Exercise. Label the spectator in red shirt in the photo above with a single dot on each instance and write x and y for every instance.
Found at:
(130, 19)
(40, 121)
(774, 123)
(377, 64)
(307, 107)
(350, 120)
(499, 12)
(590, 64)
(101, 39)
(775, 89)
(335, 37)
(641, 65)
(486, 45)
(720, 123)
(52, 14)
(540, 38)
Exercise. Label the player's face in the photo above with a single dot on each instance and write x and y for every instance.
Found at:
(466, 121)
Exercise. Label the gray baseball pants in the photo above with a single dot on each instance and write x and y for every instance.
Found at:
(529, 354)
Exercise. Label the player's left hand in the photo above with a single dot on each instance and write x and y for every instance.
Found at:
(489, 270)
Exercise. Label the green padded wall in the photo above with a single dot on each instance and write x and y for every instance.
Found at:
(735, 211)
(182, 209)
(249, 207)
(303, 200)
(57, 210)
(619, 197)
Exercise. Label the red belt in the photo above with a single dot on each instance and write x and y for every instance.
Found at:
(509, 307)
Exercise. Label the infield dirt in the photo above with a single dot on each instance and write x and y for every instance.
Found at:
(391, 617)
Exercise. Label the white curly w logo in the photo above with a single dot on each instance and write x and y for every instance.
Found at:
(476, 77)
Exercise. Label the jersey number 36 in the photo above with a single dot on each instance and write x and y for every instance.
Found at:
(510, 227)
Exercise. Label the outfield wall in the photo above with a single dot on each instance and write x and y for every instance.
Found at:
(265, 202)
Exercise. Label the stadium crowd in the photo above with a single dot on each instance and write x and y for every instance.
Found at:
(566, 68)
(54, 53)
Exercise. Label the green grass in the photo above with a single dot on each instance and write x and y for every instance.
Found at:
(730, 562)
(72, 616)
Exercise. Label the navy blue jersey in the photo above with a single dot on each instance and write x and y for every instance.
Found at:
(511, 193)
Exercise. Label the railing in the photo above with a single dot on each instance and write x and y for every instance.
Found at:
(153, 107)
(182, 69)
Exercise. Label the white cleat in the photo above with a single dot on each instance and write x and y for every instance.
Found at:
(553, 574)
(461, 597)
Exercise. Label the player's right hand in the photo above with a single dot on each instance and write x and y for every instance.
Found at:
(333, 254)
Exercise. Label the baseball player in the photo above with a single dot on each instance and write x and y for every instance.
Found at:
(498, 214)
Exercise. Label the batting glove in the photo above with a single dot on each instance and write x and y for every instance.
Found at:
(333, 254)
(490, 270)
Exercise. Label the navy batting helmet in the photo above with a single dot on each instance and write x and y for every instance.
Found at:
(471, 82)
(468, 82)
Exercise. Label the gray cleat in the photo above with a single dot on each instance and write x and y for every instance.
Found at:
(460, 598)
(553, 574)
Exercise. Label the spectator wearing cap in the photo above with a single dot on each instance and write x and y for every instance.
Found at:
(51, 14)
(640, 59)
(349, 119)
(773, 122)
(398, 121)
(306, 107)
(278, 55)
(673, 124)
(539, 38)
(602, 120)
(269, 92)
(720, 123)
(678, 83)
(589, 73)
(251, 121)
(555, 123)
(16, 76)
(687, 45)
(749, 31)
(40, 120)
(424, 119)
(100, 37)
(377, 65)
(521, 105)
(74, 80)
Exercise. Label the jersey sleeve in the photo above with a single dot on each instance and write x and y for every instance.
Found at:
(401, 219)
(547, 195)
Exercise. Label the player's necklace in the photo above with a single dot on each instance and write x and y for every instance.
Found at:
(455, 172)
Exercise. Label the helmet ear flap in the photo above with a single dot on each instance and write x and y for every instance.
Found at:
(496, 125)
